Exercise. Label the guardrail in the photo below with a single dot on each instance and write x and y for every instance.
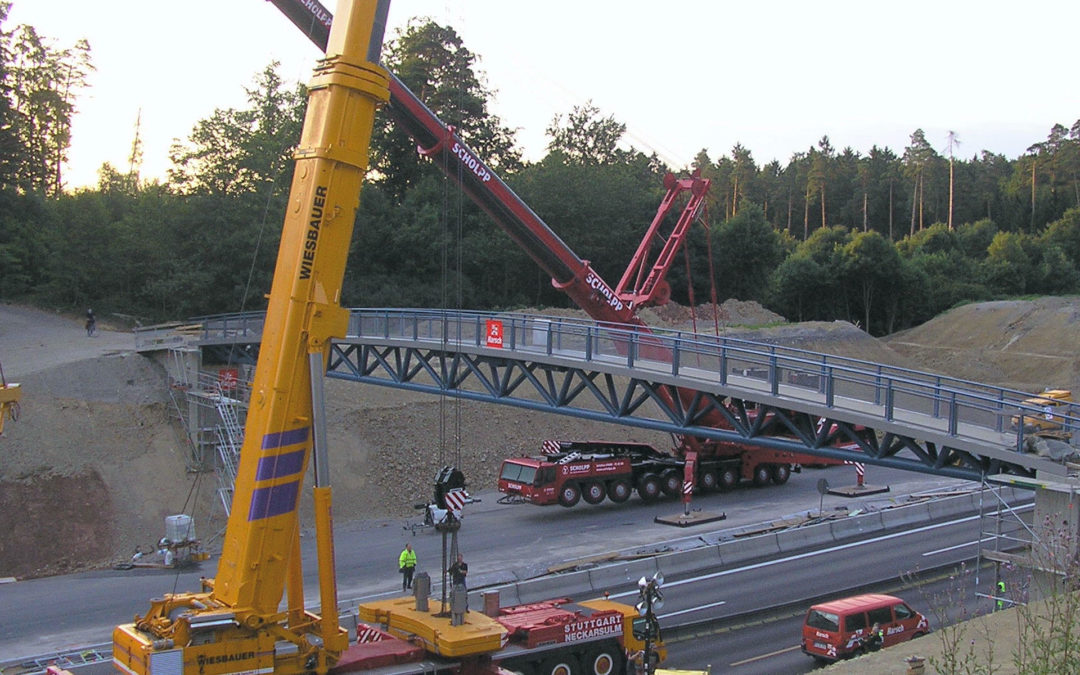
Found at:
(960, 408)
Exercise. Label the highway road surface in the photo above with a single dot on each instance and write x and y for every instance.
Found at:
(44, 615)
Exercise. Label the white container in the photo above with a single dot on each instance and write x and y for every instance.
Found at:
(540, 330)
(179, 528)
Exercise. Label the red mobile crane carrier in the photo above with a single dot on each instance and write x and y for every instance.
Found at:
(698, 462)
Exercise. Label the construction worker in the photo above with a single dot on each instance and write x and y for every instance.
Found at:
(1000, 595)
(875, 639)
(407, 565)
(458, 571)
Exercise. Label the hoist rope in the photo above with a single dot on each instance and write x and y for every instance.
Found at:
(712, 274)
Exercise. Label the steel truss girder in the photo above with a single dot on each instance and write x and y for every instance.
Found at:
(585, 393)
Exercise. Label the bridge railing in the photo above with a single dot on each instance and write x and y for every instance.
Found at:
(776, 370)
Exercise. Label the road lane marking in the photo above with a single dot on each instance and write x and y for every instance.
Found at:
(692, 609)
(950, 548)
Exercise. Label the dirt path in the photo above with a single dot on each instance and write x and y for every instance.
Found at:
(32, 341)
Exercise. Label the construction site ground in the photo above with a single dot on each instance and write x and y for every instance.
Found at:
(96, 460)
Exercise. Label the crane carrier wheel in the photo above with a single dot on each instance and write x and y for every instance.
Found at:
(593, 492)
(671, 483)
(762, 475)
(781, 473)
(649, 487)
(729, 478)
(560, 664)
(607, 659)
(569, 494)
(708, 480)
(619, 490)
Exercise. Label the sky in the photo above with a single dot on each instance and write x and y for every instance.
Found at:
(772, 75)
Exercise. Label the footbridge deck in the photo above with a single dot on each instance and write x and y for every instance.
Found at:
(771, 395)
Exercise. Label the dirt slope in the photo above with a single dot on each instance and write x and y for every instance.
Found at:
(97, 461)
(1024, 344)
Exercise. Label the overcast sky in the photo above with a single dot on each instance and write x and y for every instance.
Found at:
(772, 75)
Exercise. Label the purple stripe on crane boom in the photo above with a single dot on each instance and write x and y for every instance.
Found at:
(283, 438)
(273, 501)
(279, 466)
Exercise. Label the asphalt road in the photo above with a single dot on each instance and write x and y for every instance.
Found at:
(499, 541)
(764, 635)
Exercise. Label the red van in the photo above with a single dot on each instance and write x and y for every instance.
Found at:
(838, 629)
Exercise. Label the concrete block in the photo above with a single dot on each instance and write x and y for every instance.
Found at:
(854, 526)
(950, 506)
(905, 516)
(694, 560)
(803, 538)
(619, 574)
(750, 548)
(553, 586)
(494, 578)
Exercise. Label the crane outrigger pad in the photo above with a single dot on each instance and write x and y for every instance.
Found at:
(695, 517)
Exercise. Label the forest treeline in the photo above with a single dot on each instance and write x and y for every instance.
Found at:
(886, 239)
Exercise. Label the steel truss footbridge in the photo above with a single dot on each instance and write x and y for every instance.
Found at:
(773, 396)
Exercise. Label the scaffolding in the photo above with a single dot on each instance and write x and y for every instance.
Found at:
(1032, 548)
(211, 406)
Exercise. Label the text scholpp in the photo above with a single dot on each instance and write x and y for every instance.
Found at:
(318, 12)
(597, 284)
(474, 165)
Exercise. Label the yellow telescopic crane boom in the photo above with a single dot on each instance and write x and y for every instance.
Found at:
(234, 624)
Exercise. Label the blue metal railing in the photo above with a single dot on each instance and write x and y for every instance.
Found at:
(708, 361)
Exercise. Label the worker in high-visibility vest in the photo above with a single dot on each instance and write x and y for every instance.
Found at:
(1001, 595)
(407, 565)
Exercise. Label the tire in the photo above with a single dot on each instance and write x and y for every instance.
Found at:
(648, 487)
(569, 494)
(604, 660)
(671, 483)
(762, 475)
(781, 473)
(708, 481)
(560, 664)
(728, 480)
(593, 492)
(619, 490)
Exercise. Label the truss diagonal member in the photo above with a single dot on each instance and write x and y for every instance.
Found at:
(371, 359)
(634, 396)
(416, 361)
(517, 374)
(777, 417)
(575, 382)
(342, 357)
(476, 368)
(609, 400)
(458, 371)
(893, 444)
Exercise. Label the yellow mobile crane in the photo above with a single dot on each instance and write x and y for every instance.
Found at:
(234, 624)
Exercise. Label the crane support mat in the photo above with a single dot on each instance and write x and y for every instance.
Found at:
(857, 490)
(695, 517)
